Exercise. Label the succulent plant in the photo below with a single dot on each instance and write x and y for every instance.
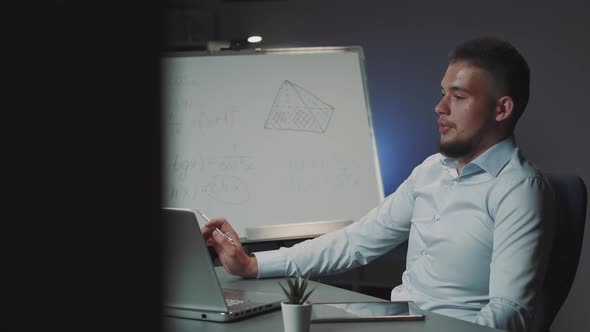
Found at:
(296, 293)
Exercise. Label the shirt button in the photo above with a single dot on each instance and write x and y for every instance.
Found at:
(423, 252)
(436, 217)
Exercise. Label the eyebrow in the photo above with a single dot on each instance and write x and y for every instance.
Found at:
(457, 88)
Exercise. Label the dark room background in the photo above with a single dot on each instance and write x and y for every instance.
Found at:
(80, 127)
(406, 44)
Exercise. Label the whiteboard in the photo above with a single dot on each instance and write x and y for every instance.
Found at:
(277, 136)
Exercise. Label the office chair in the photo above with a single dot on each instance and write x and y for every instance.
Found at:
(571, 199)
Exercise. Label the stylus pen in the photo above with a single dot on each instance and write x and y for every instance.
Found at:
(216, 228)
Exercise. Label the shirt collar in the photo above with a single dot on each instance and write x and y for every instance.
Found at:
(492, 160)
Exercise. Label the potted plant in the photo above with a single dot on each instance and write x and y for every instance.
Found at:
(296, 309)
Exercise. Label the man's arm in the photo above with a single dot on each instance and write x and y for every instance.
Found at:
(382, 229)
(523, 230)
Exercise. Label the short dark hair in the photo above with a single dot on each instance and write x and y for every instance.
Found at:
(503, 61)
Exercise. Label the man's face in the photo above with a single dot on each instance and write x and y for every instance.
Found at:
(466, 110)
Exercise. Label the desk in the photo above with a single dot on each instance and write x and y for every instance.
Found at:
(273, 321)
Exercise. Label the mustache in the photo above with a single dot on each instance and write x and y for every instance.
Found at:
(445, 123)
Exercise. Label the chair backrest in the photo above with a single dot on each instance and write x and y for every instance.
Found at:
(571, 199)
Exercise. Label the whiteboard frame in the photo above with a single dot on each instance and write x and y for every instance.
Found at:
(307, 50)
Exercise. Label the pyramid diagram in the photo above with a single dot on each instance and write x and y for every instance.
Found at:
(295, 108)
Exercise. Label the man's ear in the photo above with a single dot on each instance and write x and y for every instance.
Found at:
(504, 108)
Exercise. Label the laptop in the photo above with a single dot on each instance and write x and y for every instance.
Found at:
(191, 287)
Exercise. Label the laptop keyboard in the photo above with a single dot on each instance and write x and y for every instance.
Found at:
(232, 302)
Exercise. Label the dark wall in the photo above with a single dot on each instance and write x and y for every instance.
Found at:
(80, 156)
(406, 43)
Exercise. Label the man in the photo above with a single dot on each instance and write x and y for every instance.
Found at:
(478, 216)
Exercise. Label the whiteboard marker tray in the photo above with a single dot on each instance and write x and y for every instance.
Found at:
(297, 230)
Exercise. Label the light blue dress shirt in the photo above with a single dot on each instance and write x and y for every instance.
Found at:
(478, 242)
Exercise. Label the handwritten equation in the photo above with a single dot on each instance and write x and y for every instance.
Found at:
(223, 188)
(218, 177)
(181, 167)
(186, 121)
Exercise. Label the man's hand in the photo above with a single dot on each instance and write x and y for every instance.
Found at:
(233, 257)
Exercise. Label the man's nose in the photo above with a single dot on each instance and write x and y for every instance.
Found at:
(442, 107)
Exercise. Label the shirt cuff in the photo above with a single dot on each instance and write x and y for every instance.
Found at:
(271, 263)
(503, 314)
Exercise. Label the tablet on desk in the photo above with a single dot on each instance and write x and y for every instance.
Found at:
(365, 311)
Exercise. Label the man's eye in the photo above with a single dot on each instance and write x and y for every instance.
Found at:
(459, 97)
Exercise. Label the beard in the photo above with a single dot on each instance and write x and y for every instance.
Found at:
(456, 149)
(460, 148)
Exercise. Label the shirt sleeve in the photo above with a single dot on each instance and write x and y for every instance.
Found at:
(523, 229)
(382, 229)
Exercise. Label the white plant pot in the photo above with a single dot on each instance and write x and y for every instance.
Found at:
(296, 317)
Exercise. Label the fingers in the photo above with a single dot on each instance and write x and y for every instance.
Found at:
(230, 253)
(209, 227)
(216, 243)
(217, 222)
(227, 229)
(220, 239)
(220, 243)
(233, 257)
(223, 225)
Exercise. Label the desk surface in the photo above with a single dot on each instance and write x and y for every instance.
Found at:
(273, 321)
